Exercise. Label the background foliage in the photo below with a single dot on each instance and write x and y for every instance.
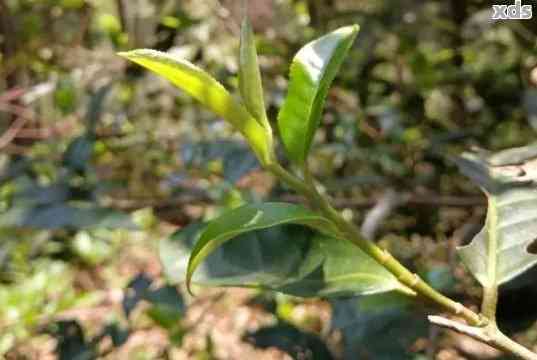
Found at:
(101, 162)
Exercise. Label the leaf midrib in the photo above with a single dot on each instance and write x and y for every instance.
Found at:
(492, 243)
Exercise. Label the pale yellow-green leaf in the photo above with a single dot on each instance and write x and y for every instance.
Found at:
(209, 92)
(250, 83)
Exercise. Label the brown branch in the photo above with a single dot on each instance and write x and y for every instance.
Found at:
(11, 133)
(23, 115)
(410, 199)
(199, 197)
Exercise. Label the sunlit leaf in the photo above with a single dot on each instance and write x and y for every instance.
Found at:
(313, 69)
(499, 252)
(207, 91)
(250, 78)
(291, 259)
(249, 218)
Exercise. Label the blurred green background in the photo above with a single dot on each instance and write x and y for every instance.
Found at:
(101, 161)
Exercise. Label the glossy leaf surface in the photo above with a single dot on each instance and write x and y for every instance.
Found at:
(288, 258)
(249, 218)
(313, 69)
(250, 84)
(208, 92)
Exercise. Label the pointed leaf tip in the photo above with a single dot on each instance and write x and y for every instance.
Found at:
(313, 69)
(209, 92)
(250, 84)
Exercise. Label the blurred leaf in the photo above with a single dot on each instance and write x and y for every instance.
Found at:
(65, 96)
(313, 69)
(135, 292)
(167, 303)
(250, 78)
(16, 168)
(209, 92)
(250, 218)
(109, 24)
(288, 338)
(380, 327)
(118, 335)
(71, 344)
(237, 159)
(499, 252)
(171, 22)
(95, 108)
(61, 216)
(237, 163)
(286, 258)
(79, 152)
(441, 278)
(167, 296)
(91, 249)
(43, 195)
(168, 307)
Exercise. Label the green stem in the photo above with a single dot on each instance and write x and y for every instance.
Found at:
(307, 188)
(482, 327)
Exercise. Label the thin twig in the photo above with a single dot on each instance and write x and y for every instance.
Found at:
(380, 212)
(11, 133)
(472, 331)
(489, 335)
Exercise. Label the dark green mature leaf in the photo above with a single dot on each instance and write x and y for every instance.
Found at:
(313, 69)
(167, 303)
(250, 218)
(209, 92)
(499, 252)
(237, 159)
(290, 339)
(95, 108)
(250, 78)
(79, 152)
(286, 258)
(71, 343)
(16, 168)
(380, 327)
(62, 215)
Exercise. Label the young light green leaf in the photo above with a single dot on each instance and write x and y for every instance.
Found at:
(499, 252)
(250, 84)
(313, 69)
(286, 258)
(209, 92)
